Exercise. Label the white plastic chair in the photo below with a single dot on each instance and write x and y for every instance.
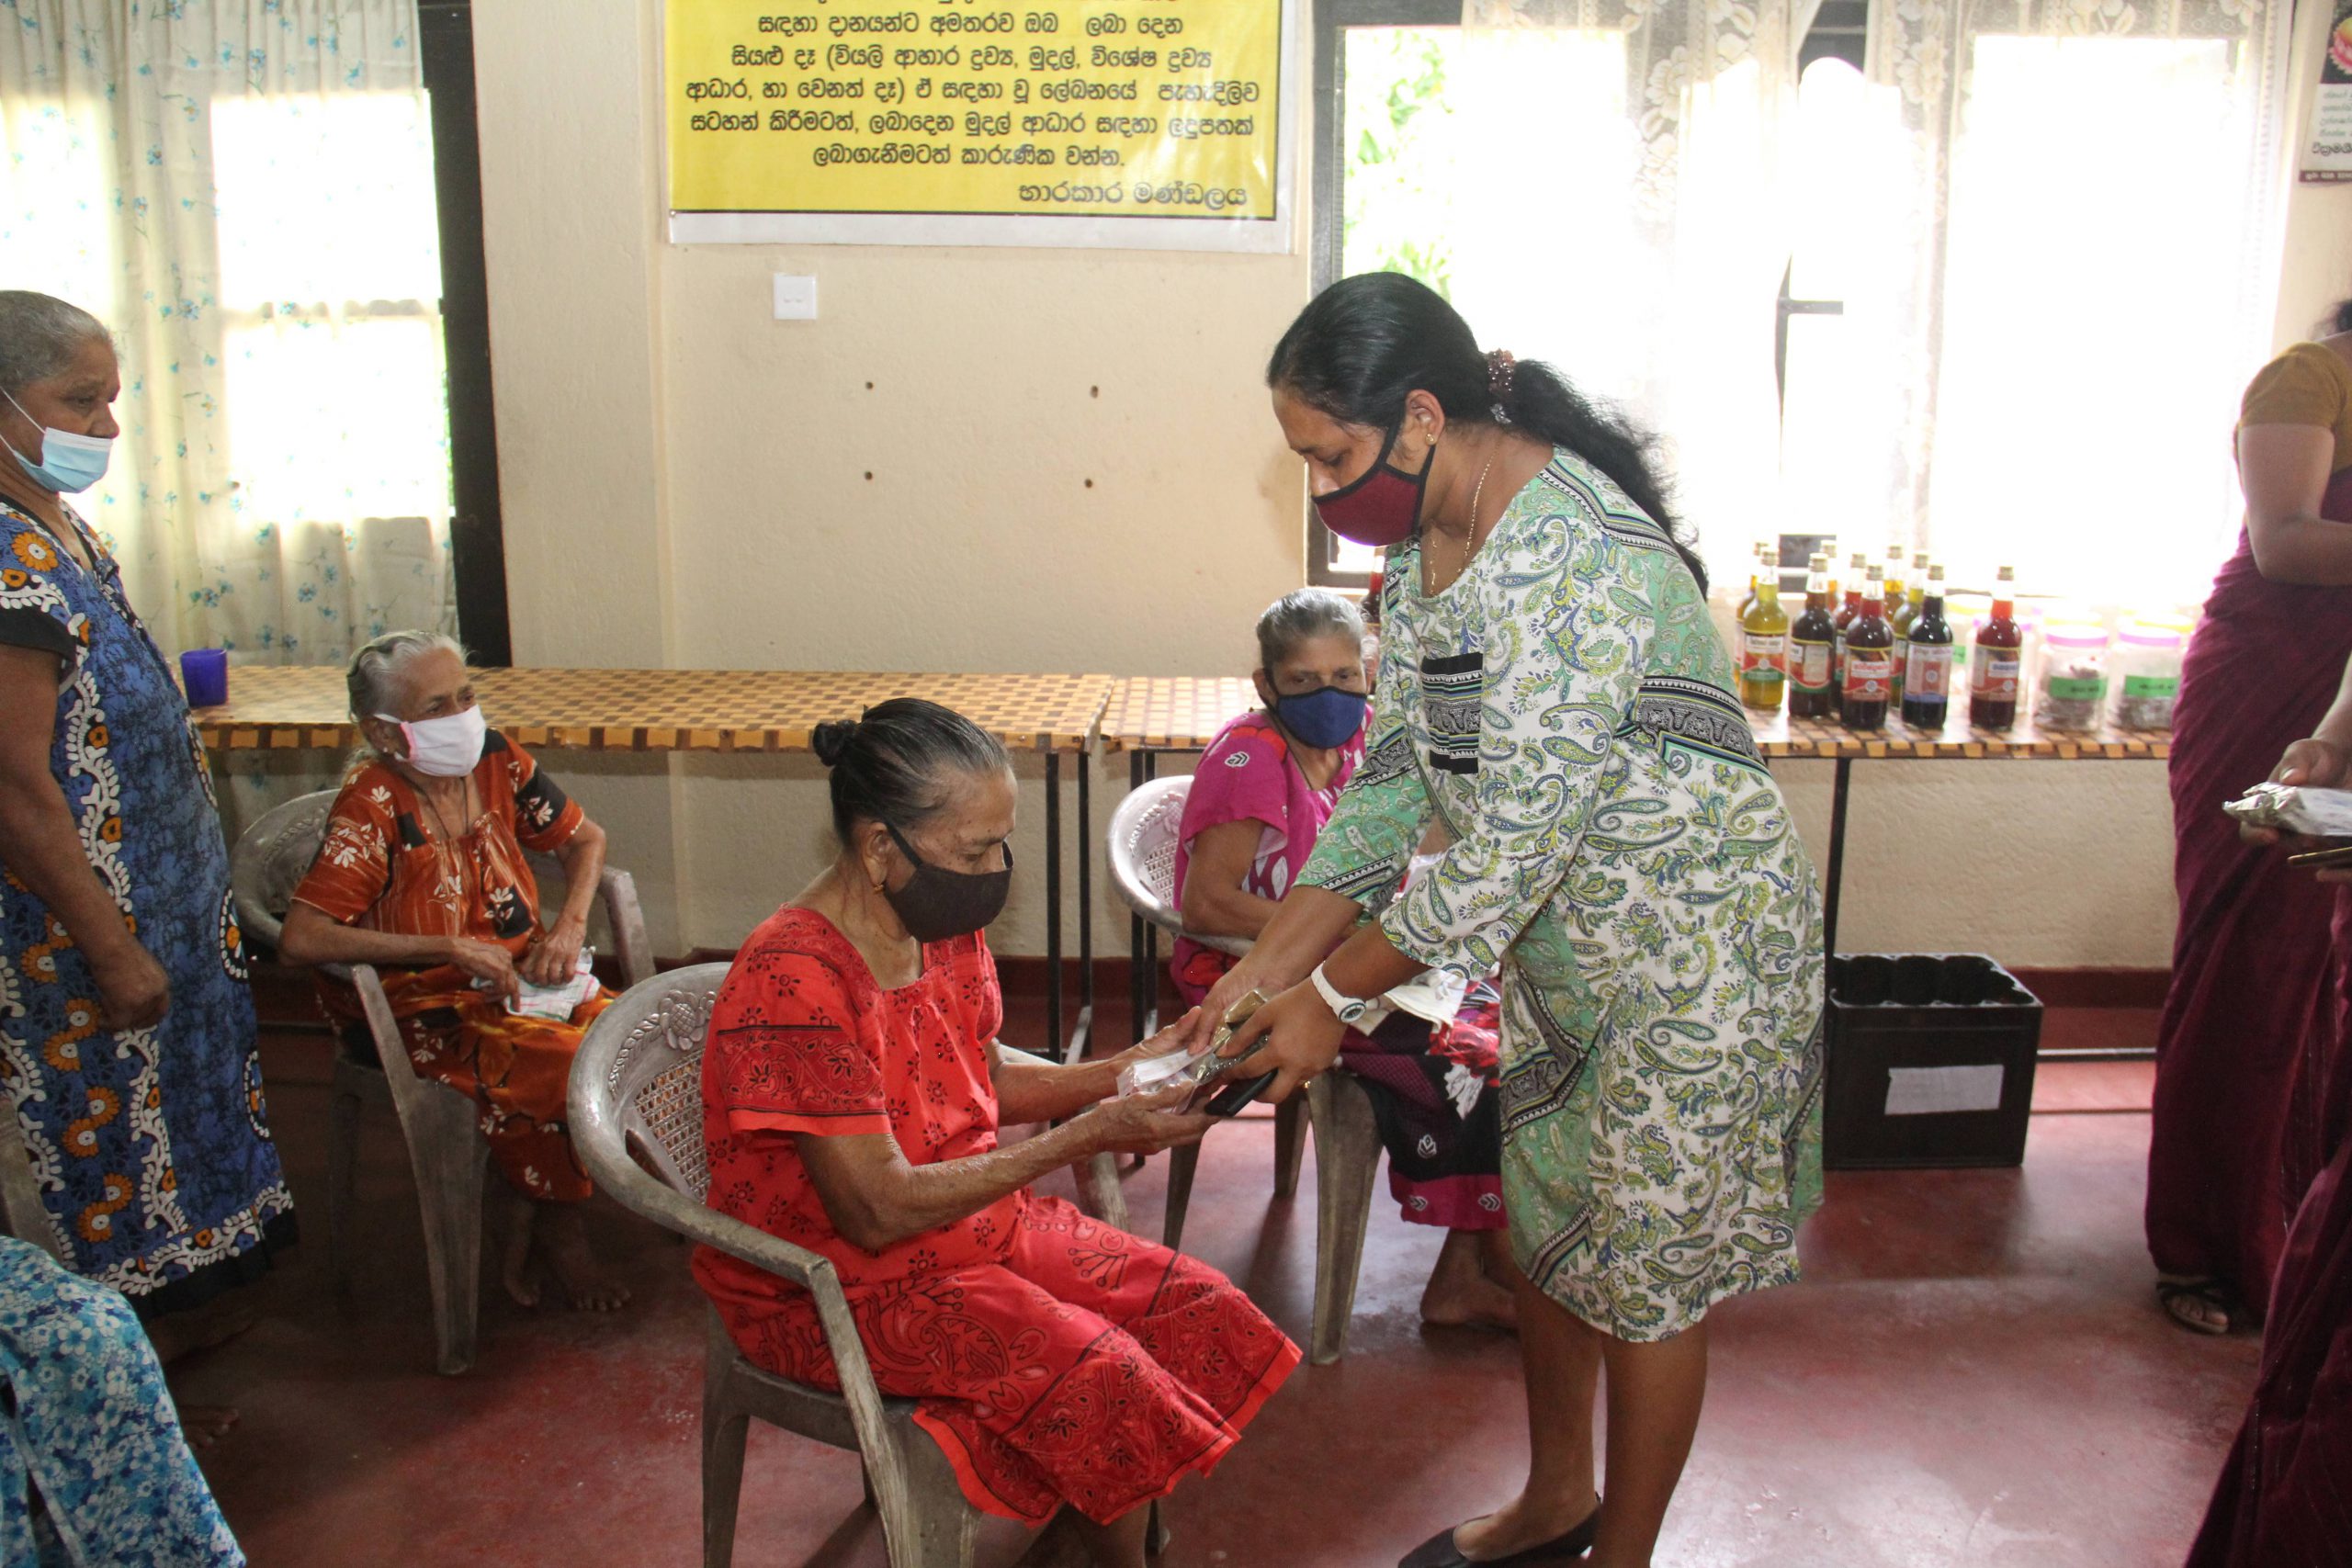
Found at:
(1346, 1136)
(446, 1153)
(636, 1116)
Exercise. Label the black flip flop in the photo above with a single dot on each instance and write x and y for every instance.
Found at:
(1438, 1551)
(2211, 1293)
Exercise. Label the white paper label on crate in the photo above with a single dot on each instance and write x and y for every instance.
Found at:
(1933, 1091)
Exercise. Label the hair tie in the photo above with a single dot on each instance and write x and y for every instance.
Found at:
(1501, 371)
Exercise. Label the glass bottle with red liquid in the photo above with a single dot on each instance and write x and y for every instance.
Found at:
(1813, 644)
(1995, 663)
(1926, 654)
(1870, 661)
(1839, 623)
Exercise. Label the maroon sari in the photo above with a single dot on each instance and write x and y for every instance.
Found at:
(2285, 1497)
(2252, 949)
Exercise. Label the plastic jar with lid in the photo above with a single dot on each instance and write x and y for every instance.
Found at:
(2145, 673)
(2074, 677)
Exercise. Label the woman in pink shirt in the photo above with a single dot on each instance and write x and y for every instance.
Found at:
(1263, 791)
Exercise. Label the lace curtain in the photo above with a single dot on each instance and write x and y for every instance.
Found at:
(2061, 272)
(1622, 213)
(243, 190)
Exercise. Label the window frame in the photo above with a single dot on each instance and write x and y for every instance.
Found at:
(477, 525)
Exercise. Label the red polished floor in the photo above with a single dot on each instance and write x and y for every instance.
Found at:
(1973, 1374)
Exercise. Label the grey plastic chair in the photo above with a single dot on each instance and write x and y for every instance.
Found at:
(22, 1213)
(636, 1121)
(1347, 1137)
(446, 1153)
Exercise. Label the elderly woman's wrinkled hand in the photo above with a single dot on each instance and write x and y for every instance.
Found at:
(555, 956)
(486, 961)
(133, 990)
(1145, 1123)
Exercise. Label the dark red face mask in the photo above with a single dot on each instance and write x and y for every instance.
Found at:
(1380, 509)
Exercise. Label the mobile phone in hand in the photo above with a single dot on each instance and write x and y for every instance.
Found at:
(1233, 1095)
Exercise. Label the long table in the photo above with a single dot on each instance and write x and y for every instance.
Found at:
(1151, 715)
(279, 707)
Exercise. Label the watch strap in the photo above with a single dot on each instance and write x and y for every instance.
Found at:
(1348, 1008)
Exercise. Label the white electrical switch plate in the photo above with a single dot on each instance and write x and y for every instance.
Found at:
(796, 298)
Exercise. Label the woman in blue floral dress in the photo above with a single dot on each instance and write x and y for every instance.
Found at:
(1552, 690)
(126, 1027)
(94, 1470)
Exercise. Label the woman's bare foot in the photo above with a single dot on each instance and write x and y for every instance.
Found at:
(1460, 1295)
(179, 1334)
(563, 1244)
(519, 1216)
(204, 1425)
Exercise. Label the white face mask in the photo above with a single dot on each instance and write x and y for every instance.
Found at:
(445, 748)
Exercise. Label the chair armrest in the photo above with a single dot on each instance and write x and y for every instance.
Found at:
(618, 891)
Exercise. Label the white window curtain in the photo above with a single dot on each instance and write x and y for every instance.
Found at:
(243, 189)
(1619, 208)
(2062, 267)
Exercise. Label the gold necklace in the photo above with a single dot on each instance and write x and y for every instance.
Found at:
(1470, 540)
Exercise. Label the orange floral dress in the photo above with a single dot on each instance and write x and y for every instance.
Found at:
(1056, 1359)
(380, 869)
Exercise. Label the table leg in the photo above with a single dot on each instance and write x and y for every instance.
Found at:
(1138, 972)
(1053, 901)
(1082, 1037)
(1150, 761)
(1831, 894)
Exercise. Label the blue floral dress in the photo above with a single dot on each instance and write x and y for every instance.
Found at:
(89, 1427)
(149, 1145)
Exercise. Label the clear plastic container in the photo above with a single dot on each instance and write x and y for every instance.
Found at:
(2145, 670)
(2072, 691)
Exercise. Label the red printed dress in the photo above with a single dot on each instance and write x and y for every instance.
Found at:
(380, 868)
(1057, 1360)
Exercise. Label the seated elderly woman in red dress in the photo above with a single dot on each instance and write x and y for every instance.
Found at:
(422, 875)
(852, 1086)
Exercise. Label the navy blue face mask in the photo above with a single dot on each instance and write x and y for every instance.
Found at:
(1322, 718)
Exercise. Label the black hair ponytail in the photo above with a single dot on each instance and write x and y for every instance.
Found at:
(893, 765)
(1363, 344)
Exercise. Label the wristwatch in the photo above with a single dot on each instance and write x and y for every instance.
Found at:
(1350, 1010)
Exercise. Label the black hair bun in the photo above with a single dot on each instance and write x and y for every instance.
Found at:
(830, 739)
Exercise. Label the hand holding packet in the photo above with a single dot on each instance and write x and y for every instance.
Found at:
(1204, 1072)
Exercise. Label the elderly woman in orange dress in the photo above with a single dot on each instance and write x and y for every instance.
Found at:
(422, 875)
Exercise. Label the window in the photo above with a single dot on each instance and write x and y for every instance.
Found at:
(2019, 298)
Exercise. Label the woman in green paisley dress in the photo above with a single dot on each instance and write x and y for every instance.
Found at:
(1552, 690)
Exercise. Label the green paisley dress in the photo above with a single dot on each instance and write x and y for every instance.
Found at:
(1621, 854)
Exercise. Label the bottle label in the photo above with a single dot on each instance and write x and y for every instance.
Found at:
(1995, 673)
(1810, 669)
(1869, 674)
(2152, 688)
(2077, 688)
(1926, 669)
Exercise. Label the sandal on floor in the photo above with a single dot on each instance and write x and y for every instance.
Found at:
(2181, 1296)
(1438, 1551)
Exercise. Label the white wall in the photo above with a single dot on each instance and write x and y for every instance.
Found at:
(685, 482)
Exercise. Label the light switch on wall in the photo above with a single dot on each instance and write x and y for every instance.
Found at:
(796, 298)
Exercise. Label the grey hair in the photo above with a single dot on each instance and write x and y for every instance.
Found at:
(1305, 613)
(39, 336)
(376, 670)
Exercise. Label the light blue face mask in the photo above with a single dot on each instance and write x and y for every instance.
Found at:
(70, 463)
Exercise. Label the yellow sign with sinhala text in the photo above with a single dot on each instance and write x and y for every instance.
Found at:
(945, 108)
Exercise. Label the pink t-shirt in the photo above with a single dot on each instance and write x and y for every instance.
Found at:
(1248, 775)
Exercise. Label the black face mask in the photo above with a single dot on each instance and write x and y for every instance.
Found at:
(935, 904)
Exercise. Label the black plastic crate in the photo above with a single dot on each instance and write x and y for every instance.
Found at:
(1931, 1058)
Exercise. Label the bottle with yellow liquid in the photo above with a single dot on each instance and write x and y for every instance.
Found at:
(1764, 657)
